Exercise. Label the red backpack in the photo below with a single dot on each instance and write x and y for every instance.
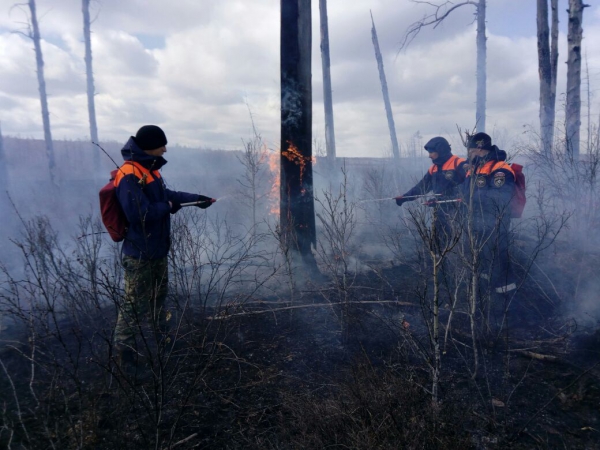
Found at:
(517, 204)
(113, 217)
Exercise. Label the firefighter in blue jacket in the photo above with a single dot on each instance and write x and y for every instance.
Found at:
(442, 179)
(488, 190)
(147, 204)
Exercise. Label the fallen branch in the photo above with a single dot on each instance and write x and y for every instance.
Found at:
(183, 441)
(538, 356)
(224, 316)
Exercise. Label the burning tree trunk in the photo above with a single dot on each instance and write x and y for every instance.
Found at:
(384, 90)
(85, 8)
(297, 209)
(547, 66)
(573, 108)
(35, 36)
(327, 93)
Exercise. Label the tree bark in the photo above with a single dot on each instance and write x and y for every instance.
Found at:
(384, 90)
(35, 36)
(85, 8)
(554, 56)
(327, 92)
(546, 78)
(297, 211)
(573, 108)
(481, 93)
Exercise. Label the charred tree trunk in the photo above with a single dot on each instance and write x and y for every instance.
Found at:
(39, 60)
(546, 68)
(384, 90)
(481, 93)
(85, 8)
(297, 209)
(327, 93)
(573, 108)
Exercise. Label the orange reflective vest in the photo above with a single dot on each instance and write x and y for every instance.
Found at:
(492, 166)
(132, 167)
(451, 164)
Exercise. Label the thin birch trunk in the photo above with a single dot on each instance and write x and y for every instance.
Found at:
(437, 260)
(553, 63)
(327, 91)
(384, 90)
(546, 76)
(39, 60)
(573, 107)
(481, 67)
(85, 8)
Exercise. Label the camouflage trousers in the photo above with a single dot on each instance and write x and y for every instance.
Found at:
(143, 308)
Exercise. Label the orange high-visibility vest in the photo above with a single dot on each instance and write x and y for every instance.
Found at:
(451, 164)
(492, 166)
(135, 168)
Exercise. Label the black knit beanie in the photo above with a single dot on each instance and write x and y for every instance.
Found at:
(438, 144)
(480, 140)
(150, 137)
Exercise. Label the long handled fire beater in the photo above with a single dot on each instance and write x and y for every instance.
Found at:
(394, 198)
(200, 202)
(428, 201)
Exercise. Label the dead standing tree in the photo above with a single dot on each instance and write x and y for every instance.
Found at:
(442, 11)
(33, 33)
(547, 41)
(573, 107)
(89, 72)
(386, 95)
(327, 92)
(297, 206)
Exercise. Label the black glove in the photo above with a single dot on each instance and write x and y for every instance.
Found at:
(400, 200)
(175, 206)
(205, 201)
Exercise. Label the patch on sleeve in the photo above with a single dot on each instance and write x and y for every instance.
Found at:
(481, 182)
(449, 174)
(499, 179)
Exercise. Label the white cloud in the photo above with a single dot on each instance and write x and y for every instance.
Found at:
(218, 55)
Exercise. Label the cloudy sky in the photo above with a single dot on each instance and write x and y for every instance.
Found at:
(195, 66)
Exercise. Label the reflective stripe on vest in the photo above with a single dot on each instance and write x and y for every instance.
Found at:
(135, 168)
(451, 164)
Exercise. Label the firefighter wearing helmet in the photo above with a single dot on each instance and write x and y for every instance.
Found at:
(488, 190)
(442, 179)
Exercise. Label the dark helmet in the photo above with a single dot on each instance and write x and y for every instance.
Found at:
(440, 145)
(480, 140)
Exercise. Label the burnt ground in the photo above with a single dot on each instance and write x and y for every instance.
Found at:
(319, 376)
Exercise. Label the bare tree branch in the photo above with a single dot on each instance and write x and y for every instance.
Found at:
(440, 14)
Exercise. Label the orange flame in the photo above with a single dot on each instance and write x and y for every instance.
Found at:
(294, 155)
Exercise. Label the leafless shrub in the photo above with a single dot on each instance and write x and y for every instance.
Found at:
(336, 246)
(65, 388)
(371, 408)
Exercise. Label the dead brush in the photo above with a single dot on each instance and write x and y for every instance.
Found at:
(373, 407)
